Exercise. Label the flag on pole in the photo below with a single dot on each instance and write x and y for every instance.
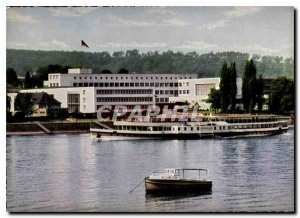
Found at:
(84, 44)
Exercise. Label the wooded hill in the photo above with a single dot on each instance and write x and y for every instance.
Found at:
(205, 65)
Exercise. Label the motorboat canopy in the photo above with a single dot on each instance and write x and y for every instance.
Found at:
(176, 173)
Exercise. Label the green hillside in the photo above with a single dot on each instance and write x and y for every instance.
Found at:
(205, 65)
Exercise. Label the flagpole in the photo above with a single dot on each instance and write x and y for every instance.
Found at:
(83, 44)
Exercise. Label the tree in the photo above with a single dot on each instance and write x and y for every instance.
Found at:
(233, 87)
(123, 71)
(260, 92)
(228, 88)
(105, 71)
(42, 73)
(57, 68)
(224, 87)
(8, 106)
(132, 53)
(287, 103)
(12, 78)
(40, 76)
(118, 54)
(205, 65)
(8, 103)
(282, 97)
(214, 98)
(249, 86)
(24, 104)
(252, 87)
(28, 82)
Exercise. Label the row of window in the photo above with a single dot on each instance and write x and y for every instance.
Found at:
(54, 84)
(162, 100)
(253, 126)
(143, 128)
(132, 77)
(125, 84)
(123, 91)
(166, 92)
(184, 92)
(195, 128)
(129, 107)
(124, 99)
(53, 76)
(184, 84)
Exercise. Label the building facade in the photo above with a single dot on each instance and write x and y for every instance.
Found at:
(73, 98)
(195, 91)
(81, 90)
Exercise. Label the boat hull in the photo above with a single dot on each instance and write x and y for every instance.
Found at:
(171, 185)
(117, 135)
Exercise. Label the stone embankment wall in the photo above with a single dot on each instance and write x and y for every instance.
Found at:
(35, 128)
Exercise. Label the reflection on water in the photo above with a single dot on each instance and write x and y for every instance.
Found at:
(76, 173)
(173, 196)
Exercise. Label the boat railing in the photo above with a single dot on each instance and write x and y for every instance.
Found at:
(189, 169)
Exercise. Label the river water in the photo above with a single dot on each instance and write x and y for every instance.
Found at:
(71, 173)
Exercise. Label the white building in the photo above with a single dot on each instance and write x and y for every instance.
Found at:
(195, 91)
(82, 91)
(88, 92)
(73, 98)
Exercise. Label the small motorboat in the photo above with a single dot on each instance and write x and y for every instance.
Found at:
(178, 180)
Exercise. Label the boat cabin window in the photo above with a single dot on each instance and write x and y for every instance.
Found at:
(170, 171)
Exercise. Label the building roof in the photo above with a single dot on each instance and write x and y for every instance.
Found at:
(39, 98)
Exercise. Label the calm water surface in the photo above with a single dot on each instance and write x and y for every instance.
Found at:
(75, 173)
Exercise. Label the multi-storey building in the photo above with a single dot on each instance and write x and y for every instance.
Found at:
(82, 91)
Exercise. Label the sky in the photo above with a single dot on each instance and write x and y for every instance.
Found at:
(254, 30)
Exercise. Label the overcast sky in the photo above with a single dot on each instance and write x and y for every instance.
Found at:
(260, 30)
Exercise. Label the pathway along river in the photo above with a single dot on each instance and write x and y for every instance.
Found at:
(72, 173)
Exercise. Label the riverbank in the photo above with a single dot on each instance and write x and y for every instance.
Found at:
(48, 128)
(43, 133)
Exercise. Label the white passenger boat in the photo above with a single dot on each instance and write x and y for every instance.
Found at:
(174, 180)
(225, 127)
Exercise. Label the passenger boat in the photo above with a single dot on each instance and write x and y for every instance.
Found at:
(207, 127)
(174, 180)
